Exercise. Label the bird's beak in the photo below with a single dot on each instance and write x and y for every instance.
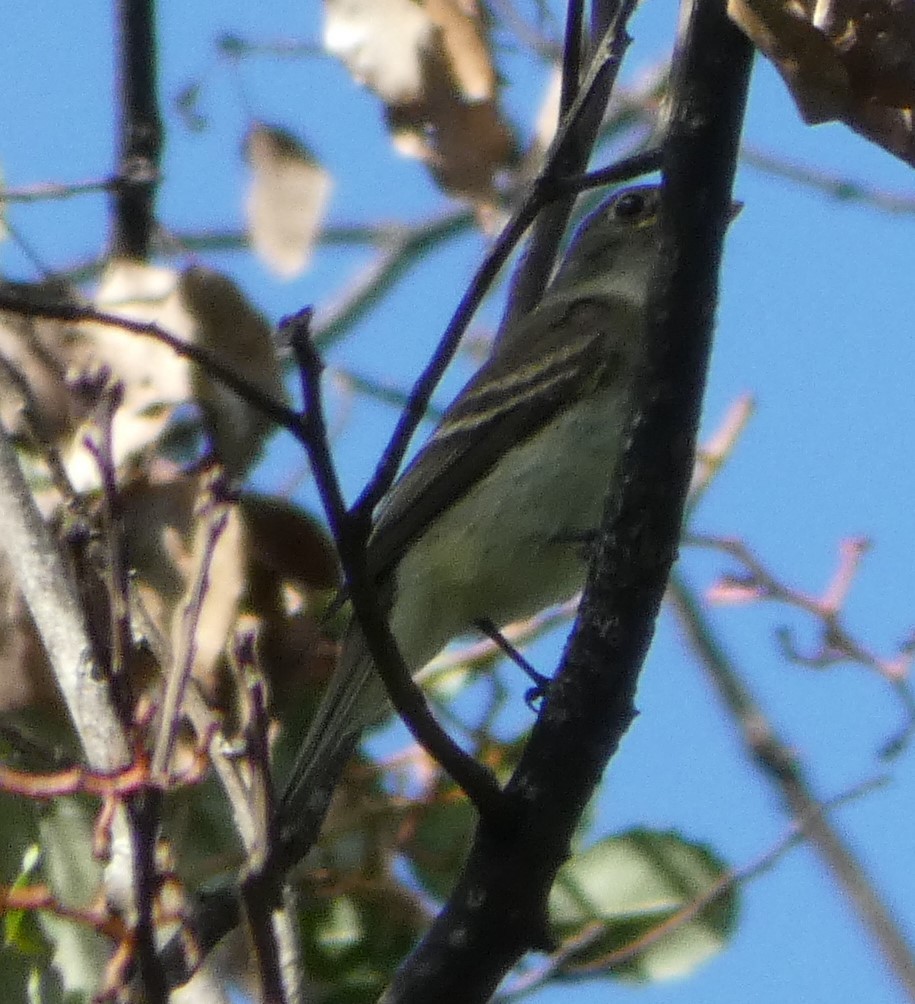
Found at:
(736, 206)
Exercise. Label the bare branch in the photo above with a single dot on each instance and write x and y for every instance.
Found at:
(497, 910)
(399, 250)
(836, 643)
(581, 109)
(78, 313)
(140, 130)
(180, 670)
(48, 191)
(351, 532)
(54, 603)
(779, 764)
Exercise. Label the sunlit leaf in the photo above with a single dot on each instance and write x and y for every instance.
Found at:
(287, 198)
(431, 65)
(624, 887)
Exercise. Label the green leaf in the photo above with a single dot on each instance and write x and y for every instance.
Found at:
(80, 954)
(439, 842)
(625, 887)
(355, 942)
(20, 929)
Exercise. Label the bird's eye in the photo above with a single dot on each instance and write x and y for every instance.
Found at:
(630, 205)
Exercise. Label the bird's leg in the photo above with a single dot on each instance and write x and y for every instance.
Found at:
(541, 682)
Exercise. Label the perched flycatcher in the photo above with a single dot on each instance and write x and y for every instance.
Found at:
(487, 522)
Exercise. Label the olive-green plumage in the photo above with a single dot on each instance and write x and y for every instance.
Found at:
(486, 522)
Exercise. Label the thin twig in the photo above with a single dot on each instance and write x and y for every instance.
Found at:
(582, 106)
(350, 533)
(481, 652)
(116, 570)
(836, 643)
(425, 385)
(214, 520)
(194, 242)
(385, 393)
(606, 59)
(571, 56)
(277, 412)
(36, 260)
(400, 249)
(144, 810)
(779, 764)
(836, 186)
(47, 191)
(641, 162)
(562, 962)
(715, 453)
(533, 37)
(268, 926)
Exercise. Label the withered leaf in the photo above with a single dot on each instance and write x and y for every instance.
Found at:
(240, 336)
(156, 380)
(850, 60)
(287, 198)
(429, 61)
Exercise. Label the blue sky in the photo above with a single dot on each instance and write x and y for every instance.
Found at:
(815, 321)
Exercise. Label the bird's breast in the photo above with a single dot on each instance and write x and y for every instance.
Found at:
(512, 544)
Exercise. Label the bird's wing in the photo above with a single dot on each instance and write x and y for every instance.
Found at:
(503, 404)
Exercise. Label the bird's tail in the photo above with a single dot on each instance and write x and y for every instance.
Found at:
(353, 698)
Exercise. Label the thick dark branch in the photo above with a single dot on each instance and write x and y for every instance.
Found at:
(139, 130)
(498, 909)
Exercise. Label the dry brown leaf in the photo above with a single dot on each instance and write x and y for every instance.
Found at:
(155, 379)
(846, 60)
(429, 61)
(267, 547)
(227, 324)
(269, 564)
(34, 357)
(286, 544)
(198, 305)
(381, 43)
(287, 198)
(289, 559)
(26, 680)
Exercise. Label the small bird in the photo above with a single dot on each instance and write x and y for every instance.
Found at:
(487, 522)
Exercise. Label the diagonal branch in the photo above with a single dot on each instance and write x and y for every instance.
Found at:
(777, 762)
(581, 110)
(604, 64)
(498, 909)
(41, 574)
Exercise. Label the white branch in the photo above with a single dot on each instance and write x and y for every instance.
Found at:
(40, 573)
